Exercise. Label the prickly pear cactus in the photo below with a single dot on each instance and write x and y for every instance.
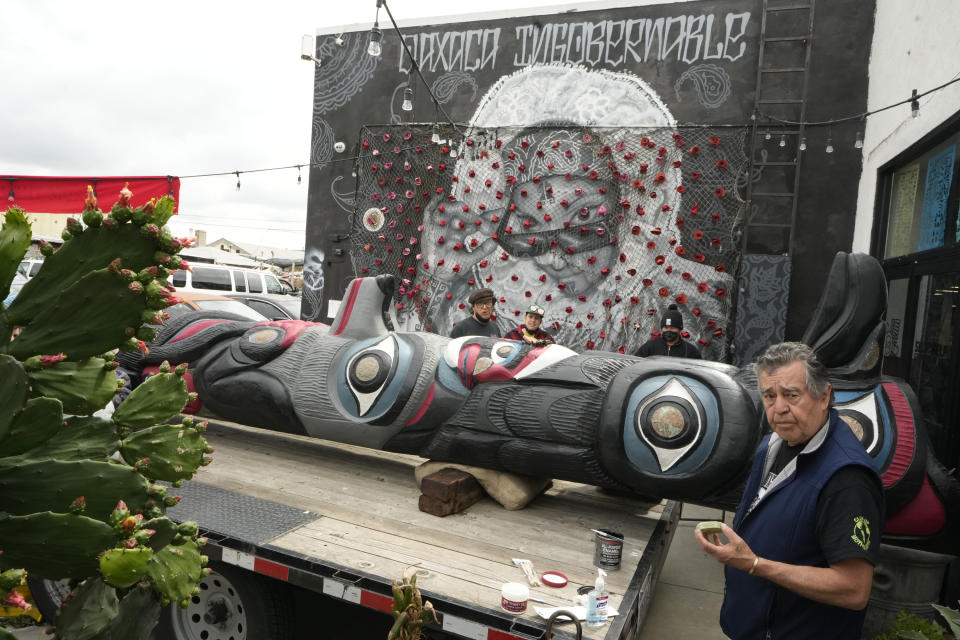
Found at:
(77, 498)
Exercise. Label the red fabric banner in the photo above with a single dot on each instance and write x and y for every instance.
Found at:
(55, 194)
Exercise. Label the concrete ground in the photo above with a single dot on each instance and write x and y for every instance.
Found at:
(687, 598)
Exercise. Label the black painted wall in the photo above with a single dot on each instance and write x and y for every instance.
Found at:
(706, 88)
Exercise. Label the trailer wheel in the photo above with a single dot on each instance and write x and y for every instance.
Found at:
(233, 604)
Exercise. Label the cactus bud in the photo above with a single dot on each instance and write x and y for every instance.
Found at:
(115, 265)
(176, 262)
(202, 542)
(202, 427)
(208, 449)
(164, 366)
(142, 347)
(108, 356)
(92, 218)
(143, 536)
(150, 230)
(147, 334)
(128, 275)
(112, 366)
(130, 544)
(171, 501)
(154, 288)
(157, 490)
(188, 528)
(204, 560)
(74, 226)
(162, 258)
(151, 316)
(135, 287)
(66, 235)
(78, 506)
(205, 460)
(172, 300)
(46, 249)
(181, 370)
(187, 422)
(162, 272)
(120, 213)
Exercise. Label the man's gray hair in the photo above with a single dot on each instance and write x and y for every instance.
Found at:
(780, 355)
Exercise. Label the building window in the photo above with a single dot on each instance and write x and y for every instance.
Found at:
(923, 209)
(917, 238)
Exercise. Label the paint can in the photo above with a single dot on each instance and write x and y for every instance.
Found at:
(607, 550)
(513, 597)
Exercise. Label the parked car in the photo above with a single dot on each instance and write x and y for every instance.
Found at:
(200, 301)
(18, 281)
(274, 307)
(223, 279)
(29, 267)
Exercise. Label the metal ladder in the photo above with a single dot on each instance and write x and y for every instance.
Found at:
(781, 91)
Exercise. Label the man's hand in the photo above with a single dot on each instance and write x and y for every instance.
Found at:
(735, 552)
(846, 583)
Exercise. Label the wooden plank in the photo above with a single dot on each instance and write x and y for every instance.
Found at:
(369, 520)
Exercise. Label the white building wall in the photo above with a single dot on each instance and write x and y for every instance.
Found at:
(915, 46)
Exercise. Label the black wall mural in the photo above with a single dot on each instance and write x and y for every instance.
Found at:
(665, 66)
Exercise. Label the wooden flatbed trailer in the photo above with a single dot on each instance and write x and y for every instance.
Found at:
(343, 521)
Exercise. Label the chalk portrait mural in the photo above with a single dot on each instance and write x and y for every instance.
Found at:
(593, 163)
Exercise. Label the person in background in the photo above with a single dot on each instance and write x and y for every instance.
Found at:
(530, 331)
(670, 343)
(479, 323)
(799, 557)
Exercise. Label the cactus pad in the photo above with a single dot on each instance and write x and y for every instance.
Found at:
(88, 611)
(81, 438)
(15, 239)
(156, 400)
(164, 452)
(125, 567)
(176, 569)
(13, 391)
(86, 319)
(83, 387)
(39, 420)
(53, 545)
(137, 616)
(52, 485)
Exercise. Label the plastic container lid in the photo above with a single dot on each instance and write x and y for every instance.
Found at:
(553, 579)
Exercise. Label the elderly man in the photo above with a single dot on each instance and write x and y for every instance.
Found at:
(799, 557)
(479, 323)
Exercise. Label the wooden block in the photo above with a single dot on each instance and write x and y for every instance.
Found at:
(437, 507)
(445, 485)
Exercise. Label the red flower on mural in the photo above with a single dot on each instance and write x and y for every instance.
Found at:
(681, 298)
(719, 192)
(637, 183)
(716, 242)
(722, 163)
(659, 178)
(647, 282)
(681, 189)
(715, 141)
(699, 257)
(663, 292)
(680, 251)
(703, 287)
(721, 292)
(720, 268)
(698, 234)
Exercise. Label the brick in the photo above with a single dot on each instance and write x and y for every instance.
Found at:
(445, 485)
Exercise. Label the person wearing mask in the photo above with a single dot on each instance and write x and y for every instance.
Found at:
(669, 343)
(530, 331)
(479, 323)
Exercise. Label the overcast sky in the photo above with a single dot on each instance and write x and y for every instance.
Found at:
(177, 88)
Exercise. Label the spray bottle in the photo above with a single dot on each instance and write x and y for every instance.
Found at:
(597, 602)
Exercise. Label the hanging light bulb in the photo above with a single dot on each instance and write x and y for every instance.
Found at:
(376, 37)
(829, 148)
(858, 143)
(767, 136)
(298, 175)
(783, 139)
(407, 99)
(914, 105)
(803, 143)
(435, 138)
(238, 180)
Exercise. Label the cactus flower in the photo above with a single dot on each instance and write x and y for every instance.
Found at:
(90, 204)
(15, 599)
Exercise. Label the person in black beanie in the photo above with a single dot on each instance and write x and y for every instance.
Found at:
(479, 323)
(669, 343)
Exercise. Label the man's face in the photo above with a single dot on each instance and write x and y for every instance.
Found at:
(793, 413)
(671, 334)
(532, 322)
(483, 309)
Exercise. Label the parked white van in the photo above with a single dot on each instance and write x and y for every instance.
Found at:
(224, 279)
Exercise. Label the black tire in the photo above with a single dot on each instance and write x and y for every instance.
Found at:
(233, 604)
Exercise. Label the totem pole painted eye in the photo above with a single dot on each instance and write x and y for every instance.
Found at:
(369, 371)
(669, 421)
(866, 415)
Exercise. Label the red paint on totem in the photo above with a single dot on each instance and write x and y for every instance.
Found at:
(195, 328)
(923, 516)
(347, 308)
(905, 451)
(423, 408)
